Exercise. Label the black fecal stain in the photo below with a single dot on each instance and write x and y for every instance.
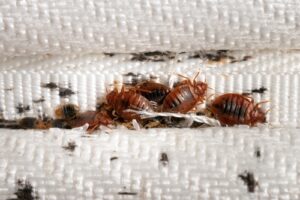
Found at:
(25, 191)
(50, 85)
(21, 108)
(259, 90)
(8, 89)
(113, 158)
(153, 56)
(197, 55)
(245, 58)
(164, 160)
(39, 100)
(214, 56)
(109, 54)
(64, 92)
(71, 146)
(249, 180)
(127, 193)
(132, 74)
(257, 153)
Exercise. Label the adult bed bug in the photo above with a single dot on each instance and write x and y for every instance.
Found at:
(185, 96)
(121, 101)
(232, 108)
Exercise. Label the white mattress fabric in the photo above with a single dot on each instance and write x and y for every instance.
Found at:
(67, 26)
(203, 163)
(83, 47)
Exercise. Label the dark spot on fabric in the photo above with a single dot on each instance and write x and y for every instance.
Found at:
(214, 56)
(259, 90)
(64, 92)
(249, 180)
(71, 146)
(39, 100)
(153, 56)
(245, 58)
(113, 158)
(127, 193)
(257, 153)
(164, 160)
(50, 85)
(132, 74)
(109, 54)
(25, 191)
(21, 108)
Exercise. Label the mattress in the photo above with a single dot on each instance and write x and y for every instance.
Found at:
(75, 51)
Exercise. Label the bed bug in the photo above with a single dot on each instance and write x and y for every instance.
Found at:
(121, 101)
(233, 108)
(185, 96)
(153, 91)
(66, 111)
(35, 123)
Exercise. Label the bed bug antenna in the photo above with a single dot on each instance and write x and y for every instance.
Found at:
(182, 76)
(194, 80)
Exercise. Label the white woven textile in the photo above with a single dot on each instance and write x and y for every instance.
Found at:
(203, 164)
(64, 26)
(62, 42)
(122, 164)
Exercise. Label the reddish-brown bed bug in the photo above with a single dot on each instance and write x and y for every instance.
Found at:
(185, 96)
(35, 123)
(121, 101)
(153, 91)
(66, 111)
(232, 108)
